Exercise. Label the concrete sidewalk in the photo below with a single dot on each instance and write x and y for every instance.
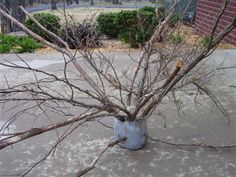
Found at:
(200, 123)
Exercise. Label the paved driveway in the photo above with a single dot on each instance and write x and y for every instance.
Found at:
(83, 5)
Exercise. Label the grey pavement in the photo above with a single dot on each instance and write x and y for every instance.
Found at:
(84, 5)
(200, 123)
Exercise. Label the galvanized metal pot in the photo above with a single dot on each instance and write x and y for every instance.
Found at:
(135, 132)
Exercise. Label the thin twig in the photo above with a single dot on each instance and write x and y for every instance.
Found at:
(192, 145)
(95, 161)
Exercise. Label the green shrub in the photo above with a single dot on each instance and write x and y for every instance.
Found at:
(175, 19)
(126, 22)
(18, 44)
(176, 39)
(135, 26)
(7, 39)
(125, 18)
(106, 24)
(5, 48)
(7, 43)
(27, 44)
(205, 41)
(148, 9)
(130, 26)
(49, 21)
(148, 23)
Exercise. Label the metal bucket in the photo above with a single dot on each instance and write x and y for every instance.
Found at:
(135, 132)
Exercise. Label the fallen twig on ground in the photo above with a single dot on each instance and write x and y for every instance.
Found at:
(192, 145)
(95, 161)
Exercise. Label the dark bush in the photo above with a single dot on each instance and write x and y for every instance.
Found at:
(147, 22)
(148, 9)
(49, 21)
(136, 27)
(131, 26)
(126, 22)
(125, 19)
(106, 24)
(81, 36)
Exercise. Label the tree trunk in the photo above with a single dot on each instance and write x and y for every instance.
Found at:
(116, 2)
(153, 1)
(5, 23)
(92, 2)
(69, 2)
(17, 13)
(31, 2)
(77, 1)
(53, 5)
(12, 7)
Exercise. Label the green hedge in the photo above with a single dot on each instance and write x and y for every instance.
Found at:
(50, 21)
(131, 26)
(106, 24)
(148, 9)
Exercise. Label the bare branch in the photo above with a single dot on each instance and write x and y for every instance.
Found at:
(20, 136)
(95, 161)
(192, 145)
(44, 29)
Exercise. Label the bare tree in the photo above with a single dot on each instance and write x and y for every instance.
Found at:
(31, 2)
(53, 4)
(116, 2)
(159, 73)
(68, 2)
(12, 7)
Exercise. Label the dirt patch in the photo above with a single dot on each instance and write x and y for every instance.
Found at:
(191, 38)
(107, 45)
(115, 45)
